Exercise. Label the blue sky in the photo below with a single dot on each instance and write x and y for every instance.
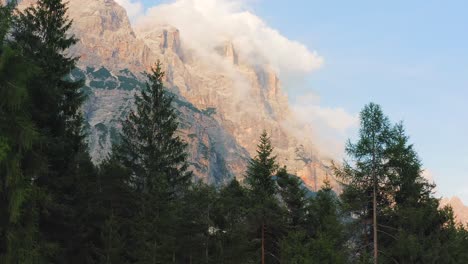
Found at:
(411, 57)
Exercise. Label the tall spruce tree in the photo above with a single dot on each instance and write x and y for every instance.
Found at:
(261, 170)
(328, 237)
(18, 217)
(265, 213)
(155, 155)
(115, 208)
(295, 246)
(197, 237)
(231, 210)
(413, 228)
(41, 33)
(293, 195)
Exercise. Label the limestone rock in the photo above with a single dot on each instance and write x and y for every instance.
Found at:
(237, 99)
(460, 210)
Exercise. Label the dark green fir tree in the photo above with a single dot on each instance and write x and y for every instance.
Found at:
(42, 34)
(328, 237)
(265, 214)
(293, 194)
(231, 210)
(151, 149)
(19, 239)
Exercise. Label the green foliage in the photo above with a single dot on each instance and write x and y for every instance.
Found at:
(294, 196)
(231, 210)
(261, 169)
(328, 236)
(197, 237)
(19, 241)
(141, 206)
(295, 248)
(58, 164)
(265, 213)
(411, 226)
(115, 207)
(150, 146)
(153, 152)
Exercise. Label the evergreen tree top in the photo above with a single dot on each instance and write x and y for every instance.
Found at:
(150, 145)
(262, 168)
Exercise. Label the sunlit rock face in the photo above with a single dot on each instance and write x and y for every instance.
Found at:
(224, 100)
(247, 98)
(460, 210)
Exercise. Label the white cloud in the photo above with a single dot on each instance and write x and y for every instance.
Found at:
(334, 118)
(134, 8)
(205, 24)
(328, 127)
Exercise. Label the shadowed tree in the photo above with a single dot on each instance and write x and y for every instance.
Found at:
(155, 155)
(19, 241)
(265, 213)
(365, 175)
(66, 174)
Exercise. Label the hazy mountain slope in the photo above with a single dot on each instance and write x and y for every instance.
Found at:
(459, 209)
(232, 100)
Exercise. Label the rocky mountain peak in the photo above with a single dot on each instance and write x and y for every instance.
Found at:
(229, 101)
(161, 38)
(105, 35)
(460, 210)
(230, 53)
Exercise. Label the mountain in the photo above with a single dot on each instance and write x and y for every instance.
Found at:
(460, 210)
(224, 100)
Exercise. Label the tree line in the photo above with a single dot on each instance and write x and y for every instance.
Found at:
(142, 203)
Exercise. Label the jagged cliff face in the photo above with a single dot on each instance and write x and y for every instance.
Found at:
(224, 100)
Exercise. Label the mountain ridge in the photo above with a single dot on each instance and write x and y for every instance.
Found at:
(247, 98)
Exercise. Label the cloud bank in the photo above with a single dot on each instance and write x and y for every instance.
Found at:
(134, 8)
(205, 25)
(330, 127)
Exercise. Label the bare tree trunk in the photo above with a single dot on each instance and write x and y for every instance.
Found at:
(263, 243)
(206, 253)
(374, 200)
(376, 255)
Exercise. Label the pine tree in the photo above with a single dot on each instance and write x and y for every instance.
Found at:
(293, 195)
(41, 32)
(261, 169)
(367, 172)
(19, 241)
(196, 237)
(413, 228)
(155, 155)
(296, 248)
(231, 210)
(265, 212)
(328, 238)
(115, 206)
